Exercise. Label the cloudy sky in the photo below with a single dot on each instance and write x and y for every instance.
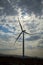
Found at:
(30, 14)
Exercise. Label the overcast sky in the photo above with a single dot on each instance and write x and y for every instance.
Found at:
(30, 13)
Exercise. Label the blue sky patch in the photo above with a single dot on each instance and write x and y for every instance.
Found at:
(4, 29)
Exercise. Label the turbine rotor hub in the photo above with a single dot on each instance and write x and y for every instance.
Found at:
(23, 30)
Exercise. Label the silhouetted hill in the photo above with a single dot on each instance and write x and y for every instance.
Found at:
(19, 60)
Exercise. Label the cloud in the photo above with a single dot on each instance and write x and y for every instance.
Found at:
(8, 9)
(30, 47)
(30, 13)
(8, 32)
(1, 8)
(4, 45)
(29, 6)
(10, 28)
(26, 6)
(40, 44)
(33, 38)
(12, 25)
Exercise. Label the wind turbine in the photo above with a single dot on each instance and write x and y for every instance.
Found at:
(22, 32)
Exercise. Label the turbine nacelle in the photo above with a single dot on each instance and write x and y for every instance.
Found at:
(23, 30)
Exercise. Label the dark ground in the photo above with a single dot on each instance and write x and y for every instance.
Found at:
(19, 60)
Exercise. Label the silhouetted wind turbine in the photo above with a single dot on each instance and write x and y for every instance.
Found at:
(22, 32)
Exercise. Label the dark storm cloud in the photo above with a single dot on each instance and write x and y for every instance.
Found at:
(7, 8)
(33, 38)
(29, 6)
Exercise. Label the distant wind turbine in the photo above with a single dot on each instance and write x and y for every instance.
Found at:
(22, 32)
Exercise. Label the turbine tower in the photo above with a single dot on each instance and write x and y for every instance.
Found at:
(22, 32)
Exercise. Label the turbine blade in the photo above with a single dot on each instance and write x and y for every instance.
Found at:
(18, 37)
(27, 33)
(31, 34)
(20, 24)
